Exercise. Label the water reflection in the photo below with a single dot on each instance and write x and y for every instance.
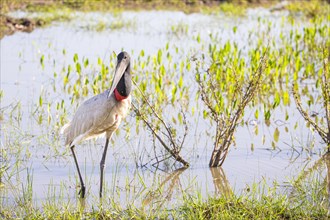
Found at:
(165, 189)
(220, 181)
(304, 186)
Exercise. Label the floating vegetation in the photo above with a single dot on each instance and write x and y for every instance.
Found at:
(110, 22)
(179, 29)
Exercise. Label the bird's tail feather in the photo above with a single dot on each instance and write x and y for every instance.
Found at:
(64, 129)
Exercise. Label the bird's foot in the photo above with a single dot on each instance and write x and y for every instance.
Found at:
(82, 192)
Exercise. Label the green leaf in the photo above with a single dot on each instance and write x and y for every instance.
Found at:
(256, 114)
(181, 66)
(295, 126)
(142, 53)
(40, 119)
(78, 68)
(159, 56)
(198, 38)
(277, 100)
(286, 116)
(75, 57)
(188, 66)
(276, 135)
(40, 101)
(86, 62)
(263, 139)
(180, 118)
(267, 115)
(273, 145)
(42, 58)
(180, 83)
(69, 70)
(286, 98)
(235, 29)
(205, 114)
(198, 77)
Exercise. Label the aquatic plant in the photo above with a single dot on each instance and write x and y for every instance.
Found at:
(174, 147)
(259, 202)
(153, 99)
(228, 76)
(325, 77)
(179, 29)
(114, 23)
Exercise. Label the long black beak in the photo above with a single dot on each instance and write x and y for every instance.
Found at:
(120, 70)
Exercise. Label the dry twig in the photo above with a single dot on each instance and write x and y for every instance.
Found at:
(176, 148)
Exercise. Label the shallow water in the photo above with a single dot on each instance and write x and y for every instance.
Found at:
(50, 165)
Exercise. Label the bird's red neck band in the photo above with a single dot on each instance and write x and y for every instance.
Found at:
(118, 96)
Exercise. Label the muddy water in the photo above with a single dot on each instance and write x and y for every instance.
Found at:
(45, 160)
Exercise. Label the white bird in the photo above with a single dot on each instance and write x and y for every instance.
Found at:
(101, 114)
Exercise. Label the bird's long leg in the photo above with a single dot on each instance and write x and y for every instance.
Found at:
(102, 164)
(82, 190)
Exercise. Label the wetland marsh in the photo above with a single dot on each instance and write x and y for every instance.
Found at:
(275, 167)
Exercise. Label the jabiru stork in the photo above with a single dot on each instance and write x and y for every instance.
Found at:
(101, 115)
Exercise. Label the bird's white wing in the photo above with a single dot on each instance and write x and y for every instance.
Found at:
(91, 116)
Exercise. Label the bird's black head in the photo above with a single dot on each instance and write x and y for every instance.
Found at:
(124, 86)
(122, 80)
(123, 57)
